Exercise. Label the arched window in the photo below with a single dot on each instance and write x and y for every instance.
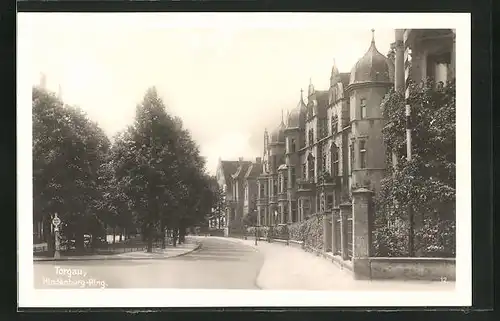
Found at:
(363, 108)
(334, 160)
(334, 123)
(310, 165)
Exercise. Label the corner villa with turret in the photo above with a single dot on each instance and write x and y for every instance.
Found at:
(327, 156)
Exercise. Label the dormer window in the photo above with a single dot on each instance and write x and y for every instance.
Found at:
(363, 108)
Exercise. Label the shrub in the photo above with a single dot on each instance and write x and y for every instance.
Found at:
(425, 184)
(309, 231)
(436, 238)
(281, 232)
(391, 239)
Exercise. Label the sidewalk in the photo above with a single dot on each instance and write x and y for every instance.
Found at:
(291, 268)
(183, 249)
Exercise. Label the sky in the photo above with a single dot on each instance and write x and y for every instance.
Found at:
(228, 76)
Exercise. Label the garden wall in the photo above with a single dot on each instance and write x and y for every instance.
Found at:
(432, 269)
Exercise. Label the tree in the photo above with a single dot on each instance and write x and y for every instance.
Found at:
(427, 182)
(68, 150)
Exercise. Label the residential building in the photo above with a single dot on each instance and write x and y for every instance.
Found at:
(331, 143)
(238, 182)
(432, 53)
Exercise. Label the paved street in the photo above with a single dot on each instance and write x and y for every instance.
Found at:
(219, 264)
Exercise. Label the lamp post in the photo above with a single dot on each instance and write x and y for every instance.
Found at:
(56, 221)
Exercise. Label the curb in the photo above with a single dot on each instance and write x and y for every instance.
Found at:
(115, 258)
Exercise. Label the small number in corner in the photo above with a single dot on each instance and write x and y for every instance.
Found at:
(444, 279)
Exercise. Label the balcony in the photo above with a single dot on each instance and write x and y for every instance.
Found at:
(262, 201)
(282, 197)
(305, 186)
(327, 182)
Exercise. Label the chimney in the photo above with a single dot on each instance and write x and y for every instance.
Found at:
(258, 160)
(43, 81)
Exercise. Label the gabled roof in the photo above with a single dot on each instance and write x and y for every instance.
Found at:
(344, 78)
(242, 168)
(254, 170)
(322, 97)
(228, 168)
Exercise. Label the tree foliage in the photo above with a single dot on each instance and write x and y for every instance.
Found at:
(68, 150)
(427, 182)
(151, 176)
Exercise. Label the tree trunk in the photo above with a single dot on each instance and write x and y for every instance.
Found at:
(174, 237)
(121, 235)
(79, 241)
(162, 227)
(114, 234)
(149, 237)
(182, 234)
(48, 236)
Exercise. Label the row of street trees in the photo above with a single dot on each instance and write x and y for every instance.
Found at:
(150, 177)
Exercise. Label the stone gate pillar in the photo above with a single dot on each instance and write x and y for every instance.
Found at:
(345, 210)
(335, 215)
(361, 199)
(327, 233)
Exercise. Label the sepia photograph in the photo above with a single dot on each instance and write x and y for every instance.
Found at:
(244, 159)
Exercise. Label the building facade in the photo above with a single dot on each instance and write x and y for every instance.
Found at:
(432, 51)
(238, 180)
(329, 145)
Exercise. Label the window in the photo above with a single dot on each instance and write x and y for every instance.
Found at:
(336, 196)
(335, 160)
(304, 171)
(329, 202)
(261, 190)
(285, 182)
(334, 124)
(362, 153)
(293, 177)
(275, 188)
(363, 108)
(311, 136)
(279, 183)
(246, 192)
(294, 211)
(323, 162)
(310, 166)
(351, 152)
(292, 145)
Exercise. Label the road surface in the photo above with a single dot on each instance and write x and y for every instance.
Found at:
(218, 264)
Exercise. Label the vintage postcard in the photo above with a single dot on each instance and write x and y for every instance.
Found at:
(244, 159)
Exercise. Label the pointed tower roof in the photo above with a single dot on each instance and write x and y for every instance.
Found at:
(293, 120)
